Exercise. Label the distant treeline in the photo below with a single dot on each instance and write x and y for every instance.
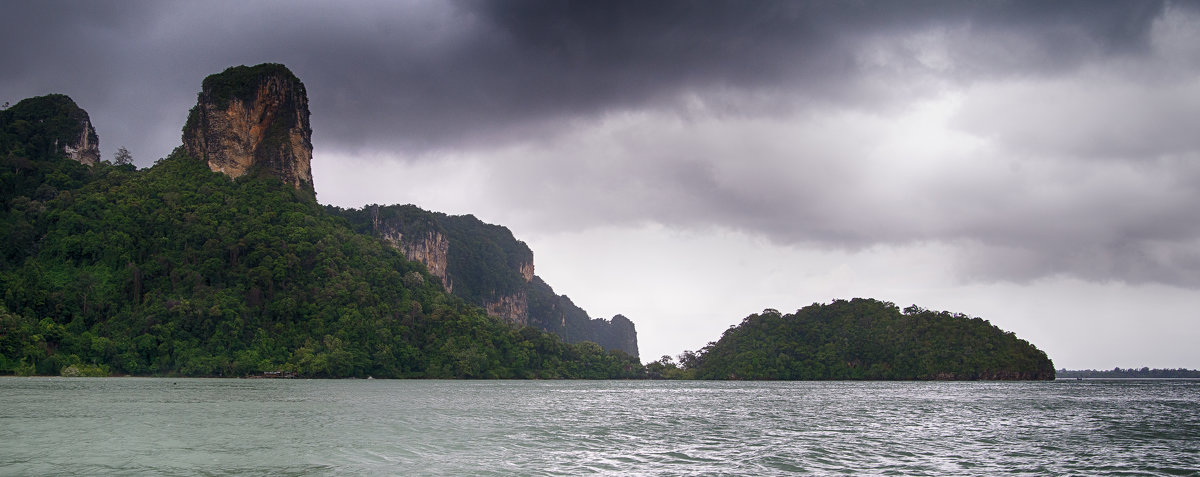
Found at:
(1129, 373)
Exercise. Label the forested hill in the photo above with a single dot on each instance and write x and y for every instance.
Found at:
(178, 270)
(868, 339)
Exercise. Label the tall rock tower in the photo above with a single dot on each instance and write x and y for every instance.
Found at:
(253, 119)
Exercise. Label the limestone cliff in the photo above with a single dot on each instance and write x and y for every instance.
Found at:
(432, 249)
(486, 266)
(513, 308)
(86, 147)
(49, 125)
(416, 236)
(558, 314)
(253, 120)
(617, 333)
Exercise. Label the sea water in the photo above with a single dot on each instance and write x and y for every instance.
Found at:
(163, 426)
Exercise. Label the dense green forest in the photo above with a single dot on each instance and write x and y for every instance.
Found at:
(861, 339)
(178, 270)
(1130, 373)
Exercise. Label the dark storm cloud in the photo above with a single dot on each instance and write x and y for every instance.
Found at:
(415, 79)
(517, 67)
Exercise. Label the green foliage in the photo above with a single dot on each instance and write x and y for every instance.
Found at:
(487, 258)
(122, 157)
(33, 168)
(241, 82)
(177, 270)
(666, 368)
(37, 128)
(410, 220)
(867, 339)
(85, 371)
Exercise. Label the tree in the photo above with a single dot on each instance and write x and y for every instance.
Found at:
(122, 156)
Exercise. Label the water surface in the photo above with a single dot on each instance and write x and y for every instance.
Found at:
(80, 426)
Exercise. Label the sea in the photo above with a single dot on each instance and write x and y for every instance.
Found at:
(216, 427)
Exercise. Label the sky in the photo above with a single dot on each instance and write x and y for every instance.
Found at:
(688, 163)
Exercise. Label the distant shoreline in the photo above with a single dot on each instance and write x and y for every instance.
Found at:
(1129, 373)
(1093, 379)
(1126, 379)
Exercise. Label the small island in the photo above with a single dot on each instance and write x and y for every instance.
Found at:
(862, 339)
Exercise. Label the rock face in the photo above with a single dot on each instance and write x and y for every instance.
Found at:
(512, 308)
(253, 120)
(559, 315)
(485, 265)
(427, 245)
(85, 148)
(50, 125)
(432, 250)
(617, 333)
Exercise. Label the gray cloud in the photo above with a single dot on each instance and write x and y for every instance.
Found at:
(415, 76)
(765, 117)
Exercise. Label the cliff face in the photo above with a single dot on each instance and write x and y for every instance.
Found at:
(486, 266)
(432, 249)
(253, 119)
(557, 314)
(49, 125)
(512, 308)
(86, 147)
(617, 333)
(423, 241)
(490, 276)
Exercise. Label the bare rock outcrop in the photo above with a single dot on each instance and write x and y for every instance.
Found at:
(253, 120)
(85, 149)
(513, 308)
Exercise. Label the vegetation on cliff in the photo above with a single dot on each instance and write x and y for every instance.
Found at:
(484, 258)
(42, 127)
(242, 82)
(178, 270)
(486, 262)
(267, 134)
(862, 339)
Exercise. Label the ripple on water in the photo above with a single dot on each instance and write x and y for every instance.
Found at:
(379, 427)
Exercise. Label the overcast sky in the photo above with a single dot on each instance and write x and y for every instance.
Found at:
(1036, 164)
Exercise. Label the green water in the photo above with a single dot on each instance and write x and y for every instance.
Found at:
(123, 426)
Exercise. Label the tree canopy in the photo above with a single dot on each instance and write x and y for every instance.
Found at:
(865, 339)
(178, 270)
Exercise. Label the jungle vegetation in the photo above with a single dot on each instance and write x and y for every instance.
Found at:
(861, 339)
(176, 270)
